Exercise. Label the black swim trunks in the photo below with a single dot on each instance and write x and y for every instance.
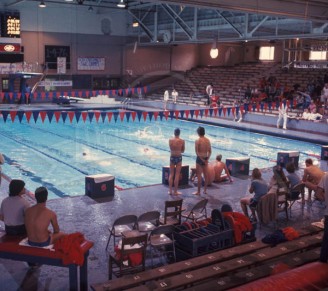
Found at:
(176, 160)
(200, 162)
(40, 244)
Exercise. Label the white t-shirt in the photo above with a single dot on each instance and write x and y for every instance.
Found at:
(323, 184)
(13, 210)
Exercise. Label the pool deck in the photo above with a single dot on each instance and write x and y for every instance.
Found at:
(92, 217)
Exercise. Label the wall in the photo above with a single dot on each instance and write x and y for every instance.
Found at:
(109, 47)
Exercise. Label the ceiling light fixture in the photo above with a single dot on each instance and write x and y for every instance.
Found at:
(214, 52)
(121, 4)
(42, 4)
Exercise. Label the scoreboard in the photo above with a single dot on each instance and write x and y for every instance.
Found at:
(10, 24)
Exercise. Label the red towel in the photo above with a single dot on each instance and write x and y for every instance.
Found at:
(241, 224)
(70, 247)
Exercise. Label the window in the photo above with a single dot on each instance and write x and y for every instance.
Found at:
(267, 53)
(5, 85)
(318, 55)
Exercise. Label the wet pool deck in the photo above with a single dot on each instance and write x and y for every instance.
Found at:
(92, 218)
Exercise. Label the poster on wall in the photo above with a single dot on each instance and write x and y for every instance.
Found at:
(90, 64)
(61, 65)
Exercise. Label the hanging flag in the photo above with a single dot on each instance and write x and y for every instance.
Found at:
(77, 116)
(64, 116)
(97, 115)
(90, 115)
(122, 114)
(20, 115)
(84, 116)
(57, 116)
(134, 114)
(109, 116)
(13, 115)
(50, 115)
(43, 115)
(35, 115)
(71, 116)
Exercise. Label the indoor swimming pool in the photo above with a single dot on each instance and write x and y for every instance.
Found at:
(60, 155)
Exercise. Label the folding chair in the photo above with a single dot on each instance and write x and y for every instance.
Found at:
(148, 221)
(172, 212)
(197, 212)
(124, 223)
(130, 256)
(161, 240)
(293, 196)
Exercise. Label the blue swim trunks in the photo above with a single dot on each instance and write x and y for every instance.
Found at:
(175, 160)
(40, 244)
(200, 162)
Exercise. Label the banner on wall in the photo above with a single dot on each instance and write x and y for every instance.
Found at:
(90, 64)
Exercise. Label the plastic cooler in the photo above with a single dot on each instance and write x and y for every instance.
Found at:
(324, 152)
(285, 157)
(183, 179)
(100, 185)
(238, 166)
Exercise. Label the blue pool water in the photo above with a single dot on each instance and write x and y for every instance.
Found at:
(60, 155)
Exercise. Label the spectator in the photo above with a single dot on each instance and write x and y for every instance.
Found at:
(175, 95)
(248, 92)
(259, 187)
(166, 98)
(311, 177)
(37, 220)
(209, 93)
(13, 208)
(293, 179)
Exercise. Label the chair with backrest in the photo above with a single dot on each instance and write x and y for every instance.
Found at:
(123, 223)
(294, 194)
(267, 209)
(161, 241)
(130, 256)
(172, 212)
(197, 212)
(148, 221)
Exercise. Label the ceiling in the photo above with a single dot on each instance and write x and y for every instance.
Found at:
(196, 21)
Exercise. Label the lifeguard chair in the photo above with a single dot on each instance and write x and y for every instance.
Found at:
(214, 101)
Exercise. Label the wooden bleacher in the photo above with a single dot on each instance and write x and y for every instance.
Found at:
(206, 269)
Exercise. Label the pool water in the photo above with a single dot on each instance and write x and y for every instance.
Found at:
(60, 155)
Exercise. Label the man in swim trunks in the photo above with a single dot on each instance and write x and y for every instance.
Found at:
(203, 152)
(177, 147)
(218, 169)
(37, 220)
(312, 176)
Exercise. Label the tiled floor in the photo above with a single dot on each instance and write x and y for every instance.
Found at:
(92, 218)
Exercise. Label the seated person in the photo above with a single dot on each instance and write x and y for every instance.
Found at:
(259, 187)
(37, 220)
(218, 169)
(311, 116)
(293, 179)
(311, 177)
(13, 208)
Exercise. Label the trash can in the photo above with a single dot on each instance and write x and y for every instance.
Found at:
(238, 166)
(184, 175)
(100, 185)
(285, 157)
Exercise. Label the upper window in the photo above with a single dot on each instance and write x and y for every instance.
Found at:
(318, 55)
(267, 53)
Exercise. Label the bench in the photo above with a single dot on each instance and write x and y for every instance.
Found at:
(149, 277)
(78, 276)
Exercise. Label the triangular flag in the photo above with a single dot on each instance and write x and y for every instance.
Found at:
(64, 115)
(122, 114)
(71, 115)
(43, 115)
(134, 114)
(84, 116)
(13, 115)
(109, 116)
(90, 114)
(28, 115)
(77, 116)
(97, 115)
(57, 116)
(35, 115)
(50, 115)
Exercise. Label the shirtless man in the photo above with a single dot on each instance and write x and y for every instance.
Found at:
(312, 176)
(218, 169)
(177, 147)
(203, 152)
(37, 220)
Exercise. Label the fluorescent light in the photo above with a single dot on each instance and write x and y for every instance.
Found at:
(121, 4)
(214, 52)
(135, 24)
(42, 4)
